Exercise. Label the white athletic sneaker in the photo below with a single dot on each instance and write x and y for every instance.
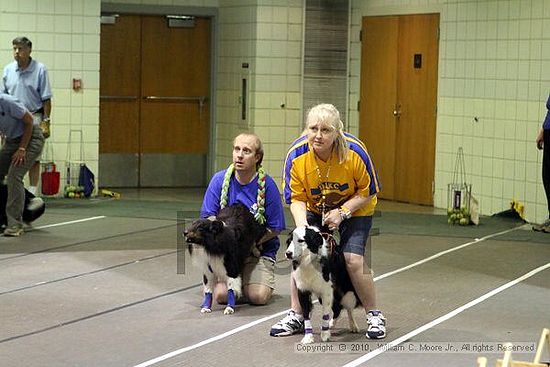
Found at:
(288, 325)
(376, 322)
(13, 231)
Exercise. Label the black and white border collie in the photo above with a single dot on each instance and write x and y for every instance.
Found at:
(32, 210)
(219, 246)
(320, 270)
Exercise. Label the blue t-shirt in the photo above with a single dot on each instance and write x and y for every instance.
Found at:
(11, 113)
(30, 86)
(247, 195)
(546, 124)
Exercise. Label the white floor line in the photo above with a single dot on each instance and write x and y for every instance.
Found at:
(443, 318)
(70, 222)
(439, 254)
(253, 323)
(208, 341)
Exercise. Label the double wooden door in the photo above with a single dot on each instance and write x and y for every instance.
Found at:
(154, 102)
(399, 60)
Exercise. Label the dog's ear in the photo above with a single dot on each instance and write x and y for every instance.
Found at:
(238, 234)
(289, 238)
(216, 226)
(314, 240)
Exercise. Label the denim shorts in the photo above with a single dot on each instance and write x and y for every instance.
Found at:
(354, 232)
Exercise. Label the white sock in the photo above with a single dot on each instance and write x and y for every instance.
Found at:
(32, 190)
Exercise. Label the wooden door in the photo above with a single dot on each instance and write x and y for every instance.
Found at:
(417, 104)
(398, 103)
(155, 88)
(174, 104)
(120, 92)
(379, 95)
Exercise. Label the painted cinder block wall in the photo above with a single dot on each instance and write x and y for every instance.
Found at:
(494, 64)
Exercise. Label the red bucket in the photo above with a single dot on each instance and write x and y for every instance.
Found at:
(50, 181)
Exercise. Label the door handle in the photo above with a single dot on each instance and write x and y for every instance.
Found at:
(201, 100)
(397, 111)
(119, 97)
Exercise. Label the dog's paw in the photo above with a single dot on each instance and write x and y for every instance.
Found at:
(307, 339)
(229, 310)
(353, 327)
(325, 335)
(206, 310)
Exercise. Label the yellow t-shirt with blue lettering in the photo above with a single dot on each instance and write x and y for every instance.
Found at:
(327, 185)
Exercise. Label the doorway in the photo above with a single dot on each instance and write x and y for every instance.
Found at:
(154, 101)
(398, 109)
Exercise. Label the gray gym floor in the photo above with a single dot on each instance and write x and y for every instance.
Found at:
(100, 283)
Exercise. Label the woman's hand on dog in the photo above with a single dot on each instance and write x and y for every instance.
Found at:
(332, 219)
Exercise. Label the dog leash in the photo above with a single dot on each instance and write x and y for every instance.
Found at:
(330, 240)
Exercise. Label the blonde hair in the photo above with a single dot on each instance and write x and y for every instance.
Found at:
(327, 114)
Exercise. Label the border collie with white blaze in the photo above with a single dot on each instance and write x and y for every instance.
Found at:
(219, 246)
(320, 271)
(32, 210)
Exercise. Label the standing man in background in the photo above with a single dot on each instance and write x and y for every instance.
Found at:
(27, 80)
(543, 142)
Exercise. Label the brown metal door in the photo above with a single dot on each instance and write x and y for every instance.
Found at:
(379, 95)
(417, 97)
(171, 125)
(120, 92)
(398, 102)
(174, 107)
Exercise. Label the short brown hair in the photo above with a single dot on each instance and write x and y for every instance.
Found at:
(22, 41)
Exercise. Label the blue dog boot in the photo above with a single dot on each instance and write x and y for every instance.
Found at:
(230, 309)
(206, 306)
